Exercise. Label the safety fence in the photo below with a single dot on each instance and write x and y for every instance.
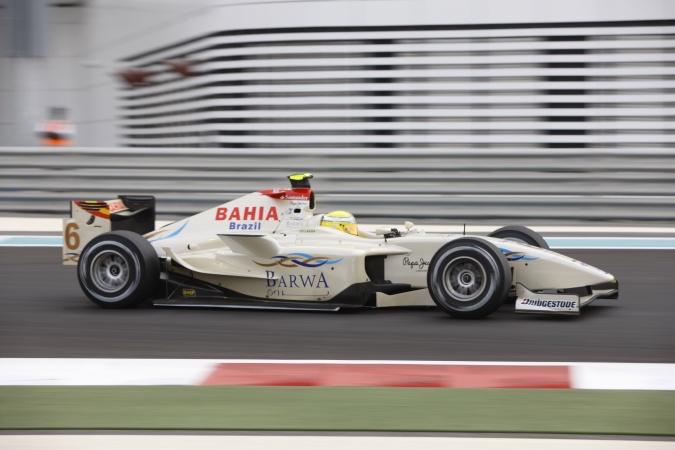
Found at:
(466, 185)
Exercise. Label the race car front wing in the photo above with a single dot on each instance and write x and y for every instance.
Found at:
(568, 301)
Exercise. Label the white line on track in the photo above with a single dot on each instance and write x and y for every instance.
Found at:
(266, 442)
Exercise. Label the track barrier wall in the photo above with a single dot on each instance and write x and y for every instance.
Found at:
(435, 184)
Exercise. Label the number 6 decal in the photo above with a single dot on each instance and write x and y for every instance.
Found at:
(71, 237)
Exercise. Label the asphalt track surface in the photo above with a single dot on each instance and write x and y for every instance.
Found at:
(43, 314)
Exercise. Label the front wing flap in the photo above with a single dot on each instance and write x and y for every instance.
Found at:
(567, 302)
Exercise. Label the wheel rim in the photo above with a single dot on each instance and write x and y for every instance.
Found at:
(110, 271)
(465, 279)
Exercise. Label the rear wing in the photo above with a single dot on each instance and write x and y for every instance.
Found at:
(90, 218)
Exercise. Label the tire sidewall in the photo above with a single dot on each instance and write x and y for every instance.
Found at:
(496, 283)
(520, 234)
(141, 268)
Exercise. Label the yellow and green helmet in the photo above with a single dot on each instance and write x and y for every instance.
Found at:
(340, 220)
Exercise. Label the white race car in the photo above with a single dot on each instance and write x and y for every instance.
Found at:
(268, 249)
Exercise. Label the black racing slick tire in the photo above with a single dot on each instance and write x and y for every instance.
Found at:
(469, 278)
(520, 234)
(119, 269)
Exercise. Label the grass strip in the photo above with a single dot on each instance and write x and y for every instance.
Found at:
(338, 409)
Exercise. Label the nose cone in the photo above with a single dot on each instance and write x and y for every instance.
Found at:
(593, 275)
(573, 273)
(544, 269)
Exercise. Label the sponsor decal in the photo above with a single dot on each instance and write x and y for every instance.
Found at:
(549, 303)
(116, 205)
(297, 281)
(293, 217)
(288, 194)
(189, 293)
(295, 223)
(247, 213)
(419, 264)
(294, 196)
(283, 285)
(300, 260)
(245, 226)
(516, 256)
(296, 285)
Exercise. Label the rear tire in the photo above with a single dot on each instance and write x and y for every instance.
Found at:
(469, 278)
(118, 269)
(520, 234)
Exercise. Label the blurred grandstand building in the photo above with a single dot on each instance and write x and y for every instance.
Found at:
(389, 74)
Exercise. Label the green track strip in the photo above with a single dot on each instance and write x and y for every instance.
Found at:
(338, 409)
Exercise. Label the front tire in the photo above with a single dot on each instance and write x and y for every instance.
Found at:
(118, 269)
(521, 234)
(469, 278)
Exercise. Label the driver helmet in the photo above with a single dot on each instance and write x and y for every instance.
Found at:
(340, 220)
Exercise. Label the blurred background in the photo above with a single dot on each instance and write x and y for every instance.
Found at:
(444, 112)
(484, 110)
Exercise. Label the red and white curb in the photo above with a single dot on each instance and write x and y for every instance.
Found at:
(439, 374)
